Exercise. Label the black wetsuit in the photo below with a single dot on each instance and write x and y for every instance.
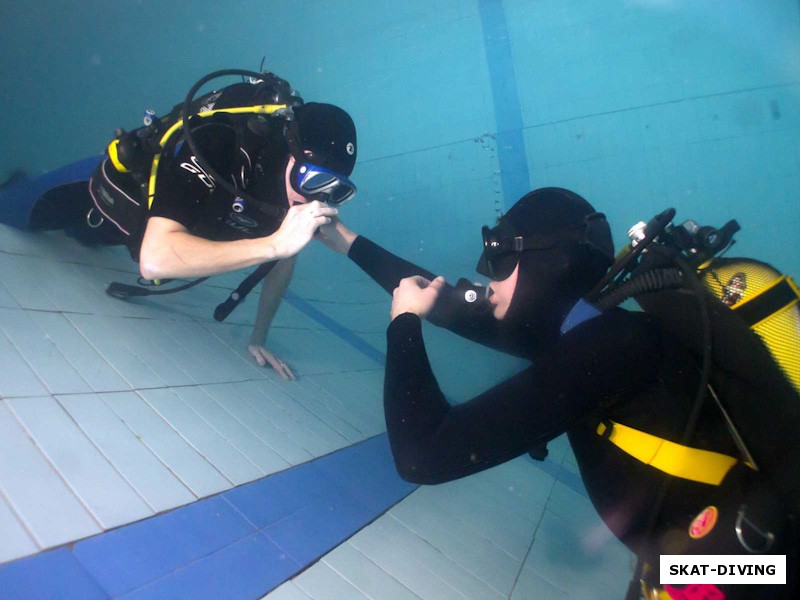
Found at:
(184, 191)
(621, 366)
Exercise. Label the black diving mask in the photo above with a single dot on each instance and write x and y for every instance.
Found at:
(502, 249)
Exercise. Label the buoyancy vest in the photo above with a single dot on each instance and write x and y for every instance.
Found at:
(124, 184)
(741, 316)
(755, 317)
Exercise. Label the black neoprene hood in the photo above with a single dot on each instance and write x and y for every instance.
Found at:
(328, 136)
(546, 217)
(551, 280)
(548, 211)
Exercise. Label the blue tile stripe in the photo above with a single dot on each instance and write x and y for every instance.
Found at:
(238, 544)
(55, 574)
(514, 175)
(335, 327)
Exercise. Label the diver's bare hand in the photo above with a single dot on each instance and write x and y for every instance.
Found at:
(264, 356)
(416, 295)
(299, 227)
(336, 236)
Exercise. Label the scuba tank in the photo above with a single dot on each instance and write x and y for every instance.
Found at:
(123, 186)
(764, 299)
(137, 152)
(739, 314)
(133, 152)
(743, 317)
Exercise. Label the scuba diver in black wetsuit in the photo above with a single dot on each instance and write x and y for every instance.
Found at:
(603, 377)
(246, 183)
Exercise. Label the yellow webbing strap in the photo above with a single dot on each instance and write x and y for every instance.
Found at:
(658, 593)
(674, 459)
(263, 109)
(114, 156)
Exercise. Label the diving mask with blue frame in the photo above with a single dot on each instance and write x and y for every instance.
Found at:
(314, 181)
(318, 183)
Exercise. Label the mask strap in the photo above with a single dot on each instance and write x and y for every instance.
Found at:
(291, 134)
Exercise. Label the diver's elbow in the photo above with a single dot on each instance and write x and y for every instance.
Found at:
(417, 471)
(157, 254)
(151, 266)
(417, 477)
(408, 474)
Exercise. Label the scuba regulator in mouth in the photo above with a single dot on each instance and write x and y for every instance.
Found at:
(461, 301)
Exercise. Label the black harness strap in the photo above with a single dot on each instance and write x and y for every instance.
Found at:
(767, 303)
(124, 291)
(240, 293)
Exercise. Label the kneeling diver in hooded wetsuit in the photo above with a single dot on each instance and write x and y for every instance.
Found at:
(550, 249)
(193, 228)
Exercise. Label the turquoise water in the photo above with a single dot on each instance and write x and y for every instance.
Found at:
(635, 104)
(461, 106)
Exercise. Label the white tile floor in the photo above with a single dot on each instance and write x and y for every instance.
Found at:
(496, 535)
(114, 411)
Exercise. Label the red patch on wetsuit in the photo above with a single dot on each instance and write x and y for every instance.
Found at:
(703, 523)
(695, 591)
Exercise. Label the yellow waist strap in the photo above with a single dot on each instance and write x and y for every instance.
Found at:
(674, 459)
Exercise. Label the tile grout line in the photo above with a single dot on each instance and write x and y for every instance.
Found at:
(52, 465)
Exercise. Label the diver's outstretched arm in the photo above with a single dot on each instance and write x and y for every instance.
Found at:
(472, 321)
(433, 441)
(169, 250)
(384, 267)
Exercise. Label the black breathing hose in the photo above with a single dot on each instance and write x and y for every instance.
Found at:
(265, 207)
(656, 225)
(650, 281)
(123, 291)
(687, 273)
(238, 295)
